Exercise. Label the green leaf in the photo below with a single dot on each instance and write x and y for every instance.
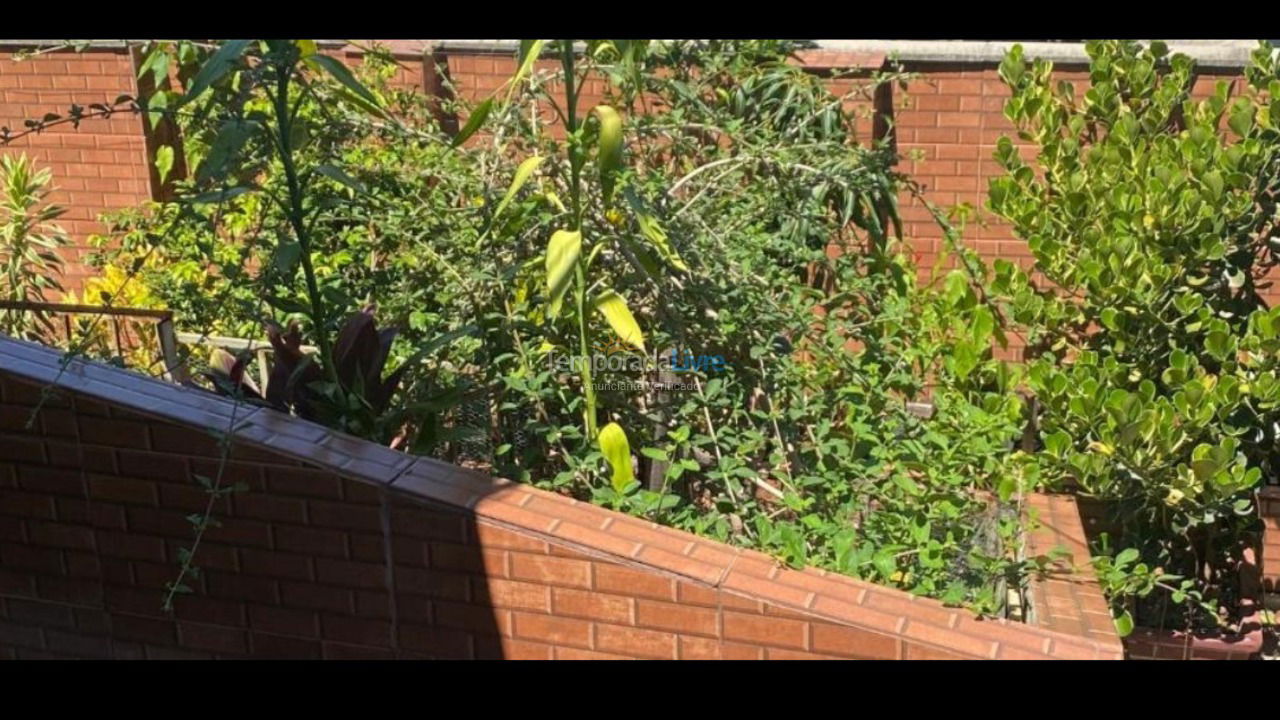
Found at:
(562, 257)
(1110, 319)
(1007, 486)
(956, 287)
(157, 63)
(964, 358)
(617, 451)
(984, 324)
(906, 483)
(1218, 344)
(231, 137)
(477, 118)
(214, 68)
(287, 256)
(615, 311)
(530, 51)
(654, 454)
(342, 74)
(652, 230)
(359, 101)
(1242, 118)
(885, 562)
(1124, 624)
(156, 106)
(1215, 184)
(164, 162)
(523, 172)
(336, 173)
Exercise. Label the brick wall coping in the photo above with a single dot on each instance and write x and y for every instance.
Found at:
(1068, 598)
(590, 529)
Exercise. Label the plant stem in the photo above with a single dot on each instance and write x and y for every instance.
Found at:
(588, 389)
(575, 195)
(284, 124)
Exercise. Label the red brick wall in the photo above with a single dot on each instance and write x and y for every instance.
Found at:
(391, 557)
(99, 167)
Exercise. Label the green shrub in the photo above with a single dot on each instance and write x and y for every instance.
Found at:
(803, 445)
(715, 218)
(30, 266)
(1152, 219)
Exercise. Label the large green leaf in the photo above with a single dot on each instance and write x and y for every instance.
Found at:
(1124, 624)
(477, 118)
(615, 311)
(562, 255)
(530, 50)
(522, 176)
(337, 174)
(617, 451)
(214, 68)
(157, 105)
(164, 162)
(653, 232)
(342, 74)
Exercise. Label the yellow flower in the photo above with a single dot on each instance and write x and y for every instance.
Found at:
(1174, 497)
(614, 216)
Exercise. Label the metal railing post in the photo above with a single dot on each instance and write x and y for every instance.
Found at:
(174, 369)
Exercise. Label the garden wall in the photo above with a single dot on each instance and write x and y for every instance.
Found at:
(338, 548)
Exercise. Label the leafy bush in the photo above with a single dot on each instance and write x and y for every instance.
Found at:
(1152, 350)
(803, 444)
(719, 207)
(29, 260)
(269, 229)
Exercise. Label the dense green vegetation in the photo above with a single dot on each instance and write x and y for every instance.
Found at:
(1153, 219)
(717, 209)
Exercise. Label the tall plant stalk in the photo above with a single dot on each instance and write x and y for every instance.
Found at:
(296, 213)
(576, 158)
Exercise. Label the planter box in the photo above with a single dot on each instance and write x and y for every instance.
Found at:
(1146, 643)
(1152, 644)
(1067, 598)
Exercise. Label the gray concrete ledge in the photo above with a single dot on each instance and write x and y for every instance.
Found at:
(1208, 53)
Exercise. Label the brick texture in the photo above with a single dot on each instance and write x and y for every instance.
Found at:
(1269, 499)
(98, 167)
(343, 549)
